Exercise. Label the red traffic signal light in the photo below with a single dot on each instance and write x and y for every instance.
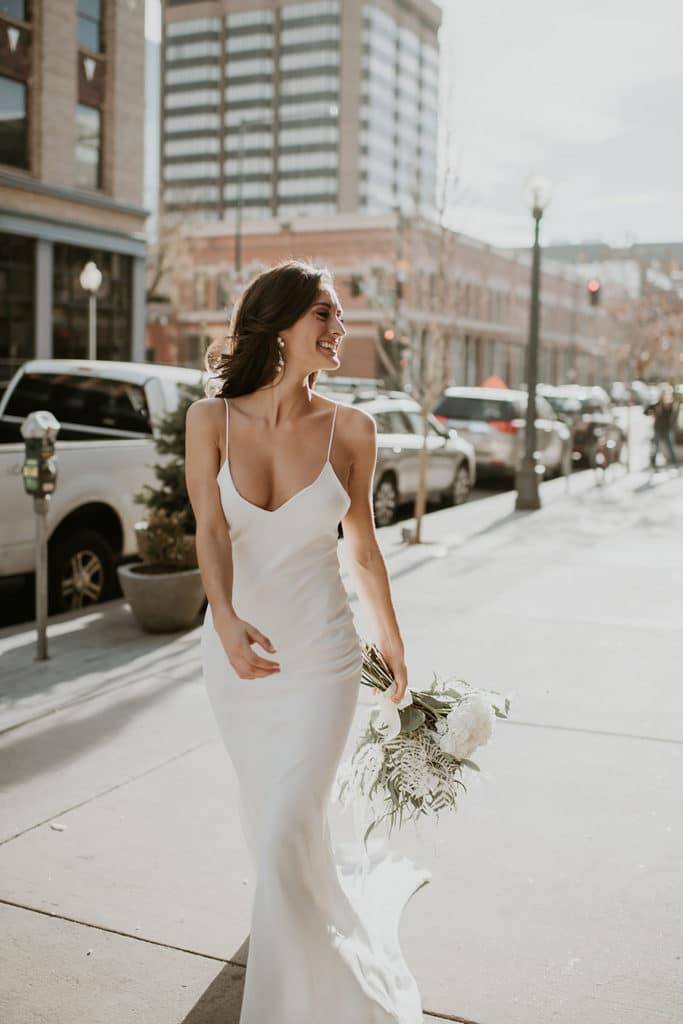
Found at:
(389, 334)
(594, 291)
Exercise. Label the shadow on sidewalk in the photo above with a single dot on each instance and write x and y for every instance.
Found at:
(222, 1001)
(28, 756)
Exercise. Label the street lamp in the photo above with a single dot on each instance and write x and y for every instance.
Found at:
(528, 498)
(91, 279)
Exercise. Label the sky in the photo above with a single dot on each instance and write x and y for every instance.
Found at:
(587, 94)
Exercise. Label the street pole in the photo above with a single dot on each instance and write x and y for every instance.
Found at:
(238, 210)
(528, 498)
(91, 279)
(92, 330)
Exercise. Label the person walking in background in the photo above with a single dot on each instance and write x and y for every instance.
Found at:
(665, 413)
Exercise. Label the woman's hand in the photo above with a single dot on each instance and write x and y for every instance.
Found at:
(395, 659)
(236, 636)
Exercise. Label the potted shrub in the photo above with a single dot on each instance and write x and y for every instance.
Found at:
(164, 590)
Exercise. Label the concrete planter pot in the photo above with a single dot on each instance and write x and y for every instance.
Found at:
(163, 599)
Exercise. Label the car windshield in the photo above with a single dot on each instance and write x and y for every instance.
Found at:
(563, 403)
(461, 407)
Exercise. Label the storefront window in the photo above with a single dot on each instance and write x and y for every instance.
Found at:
(17, 303)
(70, 310)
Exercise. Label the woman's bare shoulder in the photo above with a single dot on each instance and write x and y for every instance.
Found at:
(204, 416)
(205, 408)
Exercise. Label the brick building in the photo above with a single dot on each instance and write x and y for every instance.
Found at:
(71, 177)
(403, 275)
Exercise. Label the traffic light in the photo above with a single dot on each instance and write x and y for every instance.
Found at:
(594, 291)
(389, 334)
(356, 285)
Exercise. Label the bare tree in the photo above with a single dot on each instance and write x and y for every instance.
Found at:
(428, 347)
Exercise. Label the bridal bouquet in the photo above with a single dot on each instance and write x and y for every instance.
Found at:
(409, 760)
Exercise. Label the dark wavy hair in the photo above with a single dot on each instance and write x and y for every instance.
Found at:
(273, 301)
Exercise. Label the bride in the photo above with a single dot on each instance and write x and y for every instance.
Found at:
(272, 469)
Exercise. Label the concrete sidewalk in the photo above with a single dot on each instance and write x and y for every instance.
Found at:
(556, 888)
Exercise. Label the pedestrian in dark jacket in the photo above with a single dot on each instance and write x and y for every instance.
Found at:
(665, 413)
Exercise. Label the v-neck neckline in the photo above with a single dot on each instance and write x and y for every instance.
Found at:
(308, 487)
(272, 511)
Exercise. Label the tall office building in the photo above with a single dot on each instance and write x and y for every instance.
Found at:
(71, 135)
(308, 108)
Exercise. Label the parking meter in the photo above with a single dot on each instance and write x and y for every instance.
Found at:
(39, 474)
(39, 471)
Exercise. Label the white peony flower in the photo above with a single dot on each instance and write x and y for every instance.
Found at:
(470, 725)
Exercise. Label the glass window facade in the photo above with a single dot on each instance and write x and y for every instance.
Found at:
(70, 304)
(17, 302)
(191, 170)
(309, 9)
(191, 123)
(191, 147)
(399, 109)
(13, 123)
(19, 9)
(88, 147)
(191, 195)
(247, 19)
(185, 76)
(192, 98)
(193, 26)
(193, 51)
(90, 25)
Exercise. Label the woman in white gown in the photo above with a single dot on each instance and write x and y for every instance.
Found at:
(272, 468)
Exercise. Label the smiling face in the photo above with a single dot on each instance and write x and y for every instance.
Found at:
(312, 343)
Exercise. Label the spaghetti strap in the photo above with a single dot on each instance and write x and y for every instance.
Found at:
(334, 417)
(227, 423)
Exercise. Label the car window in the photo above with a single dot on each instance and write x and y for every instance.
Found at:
(544, 408)
(383, 422)
(415, 422)
(461, 407)
(87, 401)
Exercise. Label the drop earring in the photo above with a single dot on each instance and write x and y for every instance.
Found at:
(280, 365)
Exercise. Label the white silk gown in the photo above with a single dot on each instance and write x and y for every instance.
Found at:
(323, 946)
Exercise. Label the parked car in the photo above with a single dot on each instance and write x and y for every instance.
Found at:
(105, 454)
(451, 466)
(493, 421)
(595, 429)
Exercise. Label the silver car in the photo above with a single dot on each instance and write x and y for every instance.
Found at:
(451, 465)
(493, 420)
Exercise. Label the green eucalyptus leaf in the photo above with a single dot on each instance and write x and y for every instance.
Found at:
(411, 718)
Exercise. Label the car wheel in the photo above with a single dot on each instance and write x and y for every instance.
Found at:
(81, 571)
(461, 486)
(385, 502)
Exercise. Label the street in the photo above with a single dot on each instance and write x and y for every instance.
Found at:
(126, 886)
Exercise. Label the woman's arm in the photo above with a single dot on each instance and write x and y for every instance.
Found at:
(366, 562)
(214, 548)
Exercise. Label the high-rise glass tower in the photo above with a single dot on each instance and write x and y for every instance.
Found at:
(306, 108)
